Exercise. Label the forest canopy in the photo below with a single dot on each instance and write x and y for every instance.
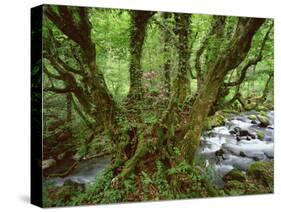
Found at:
(142, 87)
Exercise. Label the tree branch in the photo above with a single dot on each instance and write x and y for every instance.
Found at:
(54, 44)
(251, 62)
(64, 22)
(218, 22)
(80, 113)
(58, 90)
(45, 69)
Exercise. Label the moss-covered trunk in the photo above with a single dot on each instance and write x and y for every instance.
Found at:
(182, 84)
(228, 60)
(92, 93)
(138, 27)
(167, 55)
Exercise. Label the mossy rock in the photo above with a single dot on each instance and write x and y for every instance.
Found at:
(250, 106)
(264, 121)
(269, 105)
(252, 117)
(260, 135)
(263, 113)
(214, 121)
(262, 172)
(236, 175)
(261, 108)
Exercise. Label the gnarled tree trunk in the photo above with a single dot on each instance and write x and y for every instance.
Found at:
(96, 100)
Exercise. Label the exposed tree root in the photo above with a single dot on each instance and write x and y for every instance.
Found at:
(63, 174)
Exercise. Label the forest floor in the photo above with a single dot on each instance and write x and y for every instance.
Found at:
(235, 158)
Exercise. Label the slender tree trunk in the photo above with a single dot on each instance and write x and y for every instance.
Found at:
(215, 35)
(167, 55)
(138, 27)
(266, 87)
(182, 81)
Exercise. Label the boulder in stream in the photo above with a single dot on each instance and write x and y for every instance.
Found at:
(252, 117)
(264, 121)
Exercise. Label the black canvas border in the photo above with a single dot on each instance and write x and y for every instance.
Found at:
(36, 105)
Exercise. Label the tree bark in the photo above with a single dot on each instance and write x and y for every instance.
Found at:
(167, 55)
(228, 60)
(266, 87)
(216, 32)
(182, 81)
(99, 102)
(69, 107)
(138, 27)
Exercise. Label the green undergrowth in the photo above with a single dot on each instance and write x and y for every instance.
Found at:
(158, 183)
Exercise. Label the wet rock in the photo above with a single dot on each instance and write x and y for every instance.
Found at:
(264, 121)
(219, 153)
(48, 163)
(232, 132)
(254, 122)
(253, 136)
(242, 154)
(246, 133)
(257, 156)
(235, 174)
(256, 159)
(237, 145)
(269, 156)
(251, 150)
(237, 129)
(243, 132)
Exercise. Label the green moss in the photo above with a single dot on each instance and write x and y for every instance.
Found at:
(214, 121)
(269, 105)
(252, 117)
(260, 135)
(262, 172)
(262, 113)
(261, 108)
(250, 106)
(264, 121)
